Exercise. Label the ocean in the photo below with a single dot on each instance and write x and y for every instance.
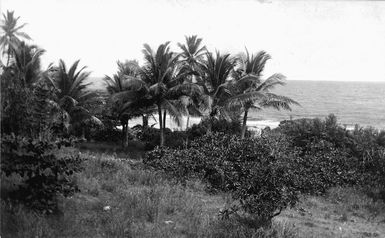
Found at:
(353, 103)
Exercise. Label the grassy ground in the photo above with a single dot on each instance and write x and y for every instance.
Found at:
(343, 212)
(119, 198)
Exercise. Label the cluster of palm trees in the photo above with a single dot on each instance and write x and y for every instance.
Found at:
(193, 81)
(196, 82)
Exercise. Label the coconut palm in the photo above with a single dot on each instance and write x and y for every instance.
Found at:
(216, 76)
(251, 92)
(72, 95)
(191, 58)
(11, 34)
(193, 54)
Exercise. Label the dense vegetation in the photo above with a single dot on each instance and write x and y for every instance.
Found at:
(43, 111)
(266, 174)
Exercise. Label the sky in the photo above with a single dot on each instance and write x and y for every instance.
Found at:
(308, 40)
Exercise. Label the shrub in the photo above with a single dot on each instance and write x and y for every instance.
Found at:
(233, 127)
(255, 171)
(44, 175)
(151, 136)
(361, 150)
(322, 166)
(305, 131)
(104, 134)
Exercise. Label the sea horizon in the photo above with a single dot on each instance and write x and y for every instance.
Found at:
(352, 102)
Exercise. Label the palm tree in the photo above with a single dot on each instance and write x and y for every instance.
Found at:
(193, 54)
(27, 62)
(192, 58)
(72, 95)
(118, 83)
(11, 34)
(216, 75)
(161, 84)
(251, 92)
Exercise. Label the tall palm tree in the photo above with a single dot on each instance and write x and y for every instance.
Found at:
(72, 94)
(192, 58)
(11, 34)
(251, 92)
(216, 76)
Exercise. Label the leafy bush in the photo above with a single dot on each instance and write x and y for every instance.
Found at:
(44, 175)
(357, 156)
(306, 131)
(322, 166)
(105, 133)
(233, 127)
(255, 172)
(151, 136)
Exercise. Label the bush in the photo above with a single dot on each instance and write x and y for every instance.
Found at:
(306, 131)
(255, 172)
(218, 126)
(322, 166)
(361, 151)
(151, 137)
(44, 175)
(105, 134)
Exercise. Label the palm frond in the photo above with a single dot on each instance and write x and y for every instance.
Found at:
(278, 102)
(244, 98)
(271, 82)
(173, 111)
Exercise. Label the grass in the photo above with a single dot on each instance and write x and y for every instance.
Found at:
(120, 198)
(342, 212)
(134, 150)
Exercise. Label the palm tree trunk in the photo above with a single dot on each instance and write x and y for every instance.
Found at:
(161, 125)
(244, 127)
(123, 133)
(83, 132)
(164, 118)
(8, 55)
(210, 125)
(127, 134)
(145, 121)
(188, 120)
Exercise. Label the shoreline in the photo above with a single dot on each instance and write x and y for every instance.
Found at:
(252, 124)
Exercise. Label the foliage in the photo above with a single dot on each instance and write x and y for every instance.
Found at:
(73, 97)
(15, 105)
(360, 151)
(141, 204)
(249, 91)
(255, 172)
(150, 135)
(216, 74)
(323, 166)
(45, 176)
(160, 85)
(232, 127)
